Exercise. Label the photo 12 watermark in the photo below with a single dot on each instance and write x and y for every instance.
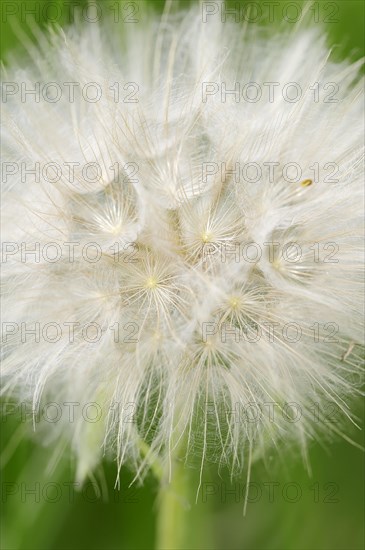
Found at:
(65, 12)
(270, 11)
(70, 92)
(269, 92)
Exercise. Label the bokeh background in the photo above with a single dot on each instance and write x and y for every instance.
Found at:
(289, 508)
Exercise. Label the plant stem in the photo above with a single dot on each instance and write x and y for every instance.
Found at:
(173, 508)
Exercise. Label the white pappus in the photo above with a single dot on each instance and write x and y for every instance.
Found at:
(197, 239)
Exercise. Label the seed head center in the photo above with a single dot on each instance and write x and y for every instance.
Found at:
(151, 283)
(206, 237)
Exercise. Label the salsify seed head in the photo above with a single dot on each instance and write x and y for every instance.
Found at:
(183, 264)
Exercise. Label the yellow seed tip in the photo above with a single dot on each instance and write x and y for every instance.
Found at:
(306, 183)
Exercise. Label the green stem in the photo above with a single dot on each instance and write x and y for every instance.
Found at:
(173, 508)
(181, 521)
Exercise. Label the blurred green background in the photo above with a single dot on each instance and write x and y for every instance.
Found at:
(42, 510)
